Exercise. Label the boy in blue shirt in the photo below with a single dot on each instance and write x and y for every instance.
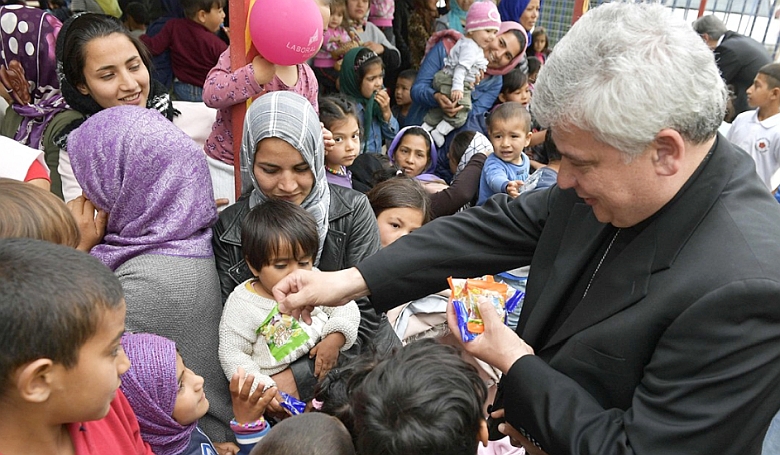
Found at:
(505, 171)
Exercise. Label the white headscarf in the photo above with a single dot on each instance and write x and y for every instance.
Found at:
(290, 117)
(479, 144)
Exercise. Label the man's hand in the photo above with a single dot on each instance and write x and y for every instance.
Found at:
(92, 226)
(456, 95)
(299, 292)
(517, 439)
(498, 345)
(446, 105)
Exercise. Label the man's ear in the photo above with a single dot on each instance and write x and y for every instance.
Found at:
(482, 435)
(34, 380)
(668, 152)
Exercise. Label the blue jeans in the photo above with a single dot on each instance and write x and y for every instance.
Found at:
(772, 439)
(187, 92)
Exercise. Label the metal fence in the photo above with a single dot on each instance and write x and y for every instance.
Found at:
(754, 18)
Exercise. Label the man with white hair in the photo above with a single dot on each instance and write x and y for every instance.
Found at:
(651, 321)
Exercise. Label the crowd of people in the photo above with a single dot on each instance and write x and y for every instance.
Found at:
(145, 307)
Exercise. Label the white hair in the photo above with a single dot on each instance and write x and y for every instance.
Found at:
(624, 72)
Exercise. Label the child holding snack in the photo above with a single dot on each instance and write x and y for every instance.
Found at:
(464, 64)
(509, 130)
(279, 237)
(339, 116)
(169, 398)
(62, 361)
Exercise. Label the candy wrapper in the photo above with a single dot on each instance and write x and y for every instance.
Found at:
(466, 294)
(283, 334)
(292, 404)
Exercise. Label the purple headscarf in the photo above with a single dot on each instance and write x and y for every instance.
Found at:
(151, 387)
(151, 178)
(427, 173)
(28, 36)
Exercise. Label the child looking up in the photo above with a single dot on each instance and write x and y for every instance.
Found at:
(339, 116)
(403, 95)
(338, 38)
(362, 80)
(60, 329)
(169, 398)
(195, 47)
(464, 64)
(279, 237)
(758, 132)
(509, 130)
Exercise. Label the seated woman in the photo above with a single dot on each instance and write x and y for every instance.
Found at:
(282, 157)
(153, 181)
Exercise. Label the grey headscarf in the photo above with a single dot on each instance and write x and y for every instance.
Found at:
(290, 117)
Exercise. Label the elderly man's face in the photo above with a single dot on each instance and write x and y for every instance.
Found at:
(620, 192)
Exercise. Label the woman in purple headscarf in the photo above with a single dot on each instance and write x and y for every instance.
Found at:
(154, 183)
(37, 111)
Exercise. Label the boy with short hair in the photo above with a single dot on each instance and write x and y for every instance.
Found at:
(758, 132)
(509, 130)
(424, 400)
(61, 362)
(195, 47)
(403, 96)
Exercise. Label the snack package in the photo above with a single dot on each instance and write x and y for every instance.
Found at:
(292, 404)
(466, 294)
(283, 334)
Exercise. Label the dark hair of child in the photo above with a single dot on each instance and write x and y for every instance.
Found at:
(191, 7)
(424, 400)
(460, 143)
(408, 74)
(336, 108)
(400, 192)
(271, 227)
(48, 310)
(137, 11)
(311, 433)
(80, 32)
(508, 110)
(31, 212)
(513, 81)
(534, 65)
(772, 73)
(539, 32)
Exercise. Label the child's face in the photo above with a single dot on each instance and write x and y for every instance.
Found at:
(357, 9)
(521, 95)
(191, 402)
(483, 37)
(373, 80)
(539, 43)
(403, 91)
(760, 93)
(279, 267)
(347, 136)
(509, 138)
(213, 18)
(336, 16)
(412, 155)
(397, 222)
(85, 391)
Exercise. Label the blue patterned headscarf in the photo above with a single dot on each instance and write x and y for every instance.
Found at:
(151, 178)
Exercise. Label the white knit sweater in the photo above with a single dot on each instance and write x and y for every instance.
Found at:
(241, 346)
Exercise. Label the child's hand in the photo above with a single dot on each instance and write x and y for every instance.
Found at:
(456, 95)
(513, 188)
(92, 227)
(264, 70)
(226, 448)
(383, 99)
(327, 353)
(249, 408)
(327, 138)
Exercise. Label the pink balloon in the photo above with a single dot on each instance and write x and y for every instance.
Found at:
(286, 32)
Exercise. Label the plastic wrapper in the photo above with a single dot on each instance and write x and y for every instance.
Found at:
(466, 294)
(283, 334)
(293, 405)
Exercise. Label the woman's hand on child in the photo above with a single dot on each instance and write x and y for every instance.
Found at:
(376, 47)
(327, 353)
(264, 70)
(456, 95)
(249, 407)
(327, 138)
(383, 99)
(92, 226)
(446, 105)
(513, 188)
(226, 448)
